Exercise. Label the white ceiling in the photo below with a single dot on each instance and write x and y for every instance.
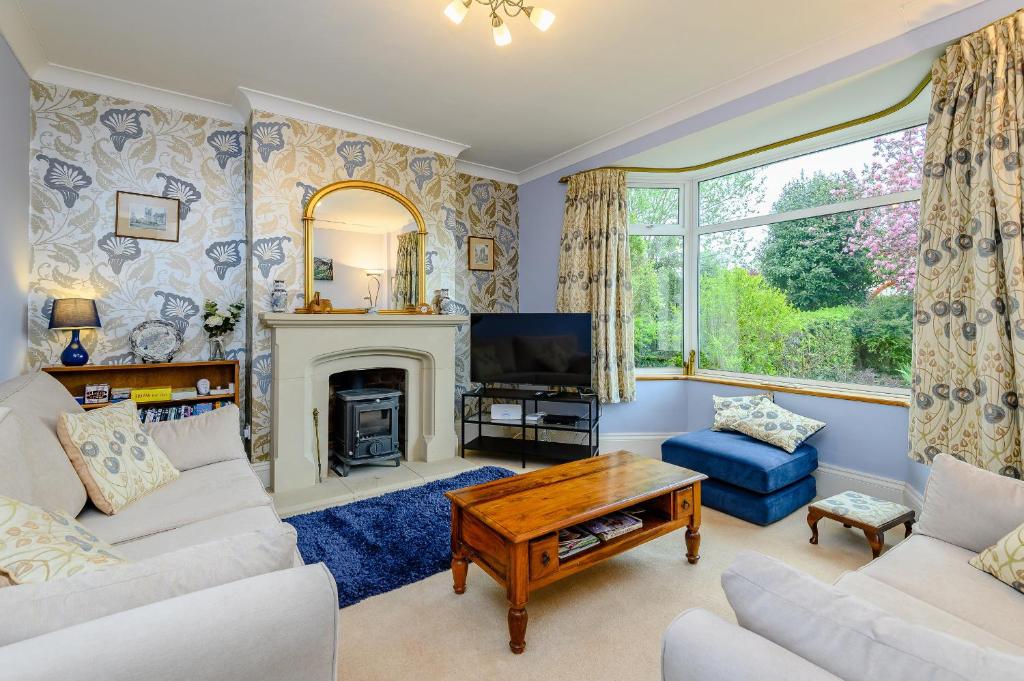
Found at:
(600, 72)
(844, 100)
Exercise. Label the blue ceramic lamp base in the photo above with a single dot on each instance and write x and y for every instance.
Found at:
(74, 354)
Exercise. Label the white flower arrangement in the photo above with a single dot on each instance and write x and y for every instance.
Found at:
(219, 323)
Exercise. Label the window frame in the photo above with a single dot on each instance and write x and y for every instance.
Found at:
(690, 229)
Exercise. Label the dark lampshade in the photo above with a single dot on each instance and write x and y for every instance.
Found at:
(74, 313)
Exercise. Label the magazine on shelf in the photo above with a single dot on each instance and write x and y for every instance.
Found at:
(613, 525)
(572, 540)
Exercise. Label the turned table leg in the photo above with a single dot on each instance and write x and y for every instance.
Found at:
(693, 529)
(517, 618)
(459, 568)
(909, 525)
(518, 592)
(812, 521)
(460, 564)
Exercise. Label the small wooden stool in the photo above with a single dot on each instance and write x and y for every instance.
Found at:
(853, 509)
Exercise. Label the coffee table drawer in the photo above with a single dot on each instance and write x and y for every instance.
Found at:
(543, 556)
(683, 502)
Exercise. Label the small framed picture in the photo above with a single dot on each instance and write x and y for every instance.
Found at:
(142, 216)
(97, 393)
(323, 269)
(481, 254)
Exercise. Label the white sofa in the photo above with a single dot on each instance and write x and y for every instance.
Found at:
(918, 611)
(280, 621)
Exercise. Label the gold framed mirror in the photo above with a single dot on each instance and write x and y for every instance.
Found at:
(365, 251)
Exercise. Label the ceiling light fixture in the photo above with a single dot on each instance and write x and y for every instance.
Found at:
(538, 16)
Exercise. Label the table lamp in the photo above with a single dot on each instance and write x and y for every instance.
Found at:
(74, 314)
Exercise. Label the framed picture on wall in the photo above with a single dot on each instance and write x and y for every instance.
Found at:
(481, 254)
(142, 216)
(323, 269)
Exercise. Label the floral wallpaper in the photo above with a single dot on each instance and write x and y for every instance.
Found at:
(291, 159)
(85, 148)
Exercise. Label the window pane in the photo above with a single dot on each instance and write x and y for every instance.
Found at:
(873, 167)
(657, 263)
(653, 205)
(827, 298)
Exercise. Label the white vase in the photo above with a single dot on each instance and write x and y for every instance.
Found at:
(279, 297)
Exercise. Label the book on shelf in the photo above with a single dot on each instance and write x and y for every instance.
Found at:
(141, 395)
(573, 540)
(612, 525)
(184, 393)
(184, 411)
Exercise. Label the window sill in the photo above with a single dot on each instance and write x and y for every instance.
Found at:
(892, 399)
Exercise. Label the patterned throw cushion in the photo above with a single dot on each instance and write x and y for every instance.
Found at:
(38, 545)
(117, 462)
(742, 403)
(768, 422)
(1004, 560)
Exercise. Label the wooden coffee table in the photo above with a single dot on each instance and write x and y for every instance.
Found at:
(509, 527)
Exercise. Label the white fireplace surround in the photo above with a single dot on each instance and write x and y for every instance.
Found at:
(309, 349)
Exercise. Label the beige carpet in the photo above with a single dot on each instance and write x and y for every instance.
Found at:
(603, 624)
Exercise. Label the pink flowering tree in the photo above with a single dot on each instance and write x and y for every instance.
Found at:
(888, 234)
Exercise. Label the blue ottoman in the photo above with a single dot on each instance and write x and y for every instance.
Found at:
(749, 479)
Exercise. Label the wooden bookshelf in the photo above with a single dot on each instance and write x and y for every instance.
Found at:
(174, 374)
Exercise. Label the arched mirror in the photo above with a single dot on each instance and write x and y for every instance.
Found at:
(365, 249)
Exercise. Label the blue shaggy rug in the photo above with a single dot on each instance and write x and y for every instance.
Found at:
(380, 544)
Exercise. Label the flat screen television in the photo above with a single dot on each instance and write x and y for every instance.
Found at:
(546, 349)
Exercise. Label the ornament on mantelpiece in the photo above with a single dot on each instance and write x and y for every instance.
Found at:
(444, 304)
(279, 297)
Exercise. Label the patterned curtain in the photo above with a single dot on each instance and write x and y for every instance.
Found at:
(969, 318)
(594, 276)
(406, 268)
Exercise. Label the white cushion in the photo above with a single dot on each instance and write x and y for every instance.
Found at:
(940, 574)
(911, 609)
(200, 440)
(38, 400)
(847, 636)
(968, 506)
(36, 609)
(199, 494)
(200, 532)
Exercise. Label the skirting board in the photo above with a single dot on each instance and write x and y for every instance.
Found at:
(262, 469)
(830, 479)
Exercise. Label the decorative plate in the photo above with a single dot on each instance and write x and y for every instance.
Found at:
(155, 341)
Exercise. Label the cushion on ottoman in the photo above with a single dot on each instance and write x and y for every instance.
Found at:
(761, 509)
(740, 460)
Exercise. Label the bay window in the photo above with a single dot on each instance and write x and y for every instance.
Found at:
(800, 270)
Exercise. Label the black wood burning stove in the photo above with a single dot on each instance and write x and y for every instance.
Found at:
(366, 427)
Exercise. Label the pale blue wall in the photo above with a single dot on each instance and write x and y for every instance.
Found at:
(14, 250)
(863, 437)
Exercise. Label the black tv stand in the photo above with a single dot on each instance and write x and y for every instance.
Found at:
(590, 423)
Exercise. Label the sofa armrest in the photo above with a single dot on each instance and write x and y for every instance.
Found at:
(699, 646)
(275, 627)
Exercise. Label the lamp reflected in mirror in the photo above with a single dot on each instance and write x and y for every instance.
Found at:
(373, 284)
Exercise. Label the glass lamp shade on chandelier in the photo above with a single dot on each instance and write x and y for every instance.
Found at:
(538, 16)
(74, 314)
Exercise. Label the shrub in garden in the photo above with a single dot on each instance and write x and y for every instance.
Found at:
(823, 346)
(882, 330)
(744, 322)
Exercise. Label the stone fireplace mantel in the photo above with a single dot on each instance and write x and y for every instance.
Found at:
(308, 349)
